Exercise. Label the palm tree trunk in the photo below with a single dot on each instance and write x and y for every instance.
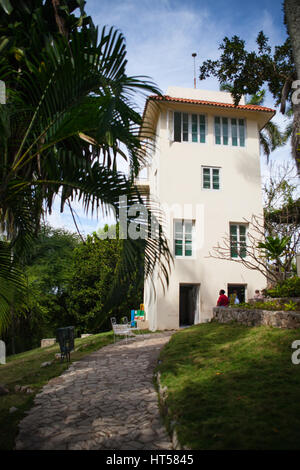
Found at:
(292, 17)
(13, 345)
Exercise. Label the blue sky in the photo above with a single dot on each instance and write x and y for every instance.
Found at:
(160, 37)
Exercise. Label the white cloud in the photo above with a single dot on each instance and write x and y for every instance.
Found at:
(86, 223)
(161, 35)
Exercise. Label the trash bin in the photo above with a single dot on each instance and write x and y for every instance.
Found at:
(65, 337)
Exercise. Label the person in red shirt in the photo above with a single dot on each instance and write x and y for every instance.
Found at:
(223, 300)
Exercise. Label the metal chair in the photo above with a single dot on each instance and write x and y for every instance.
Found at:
(121, 329)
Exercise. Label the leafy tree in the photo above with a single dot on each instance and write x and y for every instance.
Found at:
(249, 72)
(42, 306)
(69, 116)
(94, 272)
(273, 238)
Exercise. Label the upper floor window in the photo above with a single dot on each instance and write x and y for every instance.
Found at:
(229, 131)
(210, 178)
(238, 246)
(183, 237)
(189, 127)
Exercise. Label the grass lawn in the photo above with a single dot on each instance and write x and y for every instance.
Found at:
(25, 369)
(233, 387)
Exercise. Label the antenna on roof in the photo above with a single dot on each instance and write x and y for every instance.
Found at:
(194, 55)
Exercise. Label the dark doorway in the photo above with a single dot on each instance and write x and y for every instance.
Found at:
(241, 291)
(188, 304)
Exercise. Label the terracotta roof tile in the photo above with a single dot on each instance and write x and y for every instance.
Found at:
(248, 107)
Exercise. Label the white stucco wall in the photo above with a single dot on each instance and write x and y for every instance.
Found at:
(176, 179)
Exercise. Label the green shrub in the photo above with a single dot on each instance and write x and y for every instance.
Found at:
(290, 306)
(269, 305)
(288, 288)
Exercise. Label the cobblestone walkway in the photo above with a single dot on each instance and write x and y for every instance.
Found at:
(104, 401)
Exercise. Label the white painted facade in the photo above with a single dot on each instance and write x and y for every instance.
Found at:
(175, 178)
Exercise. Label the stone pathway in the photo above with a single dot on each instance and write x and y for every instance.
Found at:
(106, 400)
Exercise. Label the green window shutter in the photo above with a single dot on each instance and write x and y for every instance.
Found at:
(242, 132)
(188, 248)
(206, 178)
(234, 132)
(177, 127)
(188, 238)
(185, 127)
(202, 128)
(225, 130)
(233, 241)
(194, 128)
(217, 130)
(242, 241)
(178, 237)
(216, 178)
(178, 247)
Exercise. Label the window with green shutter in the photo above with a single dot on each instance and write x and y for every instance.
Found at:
(210, 178)
(238, 241)
(183, 238)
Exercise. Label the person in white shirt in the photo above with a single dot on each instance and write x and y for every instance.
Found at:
(258, 295)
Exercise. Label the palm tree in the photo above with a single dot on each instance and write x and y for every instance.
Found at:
(68, 118)
(292, 20)
(270, 136)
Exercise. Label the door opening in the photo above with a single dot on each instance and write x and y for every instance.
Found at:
(188, 304)
(240, 290)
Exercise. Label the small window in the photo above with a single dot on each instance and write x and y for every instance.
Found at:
(183, 238)
(238, 247)
(210, 178)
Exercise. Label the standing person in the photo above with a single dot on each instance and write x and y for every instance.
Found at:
(233, 298)
(236, 299)
(223, 300)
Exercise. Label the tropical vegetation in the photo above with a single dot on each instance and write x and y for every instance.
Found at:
(68, 282)
(248, 72)
(286, 288)
(68, 119)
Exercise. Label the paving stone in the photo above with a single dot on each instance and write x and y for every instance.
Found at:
(106, 401)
